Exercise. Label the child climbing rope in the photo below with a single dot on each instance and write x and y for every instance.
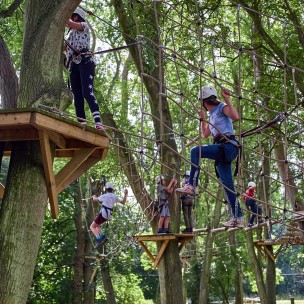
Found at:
(223, 151)
(162, 195)
(108, 200)
(187, 206)
(251, 204)
(81, 67)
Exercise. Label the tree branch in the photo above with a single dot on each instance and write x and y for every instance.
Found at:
(11, 9)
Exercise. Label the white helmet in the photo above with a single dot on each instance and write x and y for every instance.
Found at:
(158, 179)
(110, 185)
(80, 12)
(187, 173)
(206, 92)
(251, 184)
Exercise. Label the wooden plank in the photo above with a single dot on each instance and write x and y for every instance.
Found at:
(48, 173)
(220, 229)
(57, 139)
(182, 244)
(201, 230)
(148, 252)
(19, 134)
(44, 122)
(160, 237)
(160, 253)
(15, 119)
(75, 167)
(85, 166)
(2, 189)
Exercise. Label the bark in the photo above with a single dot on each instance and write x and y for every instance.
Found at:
(79, 263)
(25, 197)
(107, 282)
(8, 79)
(25, 201)
(270, 277)
(205, 275)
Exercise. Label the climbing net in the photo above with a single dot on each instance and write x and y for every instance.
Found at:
(195, 46)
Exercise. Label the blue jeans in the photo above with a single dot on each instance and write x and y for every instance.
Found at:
(223, 169)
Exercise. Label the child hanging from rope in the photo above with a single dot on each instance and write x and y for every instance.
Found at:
(162, 195)
(223, 151)
(107, 200)
(81, 67)
(251, 204)
(187, 206)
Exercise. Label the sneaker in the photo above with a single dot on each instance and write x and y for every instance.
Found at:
(166, 231)
(240, 223)
(161, 231)
(187, 189)
(250, 225)
(231, 223)
(101, 241)
(99, 127)
(187, 230)
(260, 221)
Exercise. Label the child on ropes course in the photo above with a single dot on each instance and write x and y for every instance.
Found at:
(81, 67)
(108, 200)
(187, 206)
(223, 151)
(162, 195)
(251, 204)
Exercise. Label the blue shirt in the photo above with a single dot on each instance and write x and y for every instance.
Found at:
(220, 123)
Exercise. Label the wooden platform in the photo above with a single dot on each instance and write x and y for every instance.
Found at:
(164, 240)
(283, 240)
(84, 145)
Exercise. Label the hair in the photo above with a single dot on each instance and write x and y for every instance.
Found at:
(109, 190)
(79, 18)
(211, 100)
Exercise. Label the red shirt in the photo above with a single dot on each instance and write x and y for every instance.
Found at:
(249, 192)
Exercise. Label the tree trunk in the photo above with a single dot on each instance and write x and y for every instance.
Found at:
(79, 262)
(205, 274)
(107, 282)
(21, 217)
(25, 197)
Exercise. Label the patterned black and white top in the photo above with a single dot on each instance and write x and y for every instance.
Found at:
(80, 41)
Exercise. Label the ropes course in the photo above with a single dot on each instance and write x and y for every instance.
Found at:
(277, 125)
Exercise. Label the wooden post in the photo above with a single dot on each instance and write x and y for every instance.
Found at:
(292, 300)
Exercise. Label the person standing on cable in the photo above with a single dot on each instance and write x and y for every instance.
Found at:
(250, 202)
(81, 67)
(107, 200)
(223, 151)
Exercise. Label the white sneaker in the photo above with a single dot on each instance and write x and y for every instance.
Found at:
(187, 189)
(231, 223)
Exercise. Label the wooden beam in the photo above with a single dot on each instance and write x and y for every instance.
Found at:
(19, 134)
(148, 252)
(14, 119)
(48, 173)
(2, 189)
(57, 139)
(49, 123)
(74, 168)
(160, 253)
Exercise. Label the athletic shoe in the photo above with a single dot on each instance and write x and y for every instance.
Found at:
(101, 241)
(187, 230)
(231, 223)
(99, 127)
(161, 231)
(187, 189)
(250, 225)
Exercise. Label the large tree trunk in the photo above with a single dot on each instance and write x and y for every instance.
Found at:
(80, 245)
(26, 194)
(21, 218)
(107, 282)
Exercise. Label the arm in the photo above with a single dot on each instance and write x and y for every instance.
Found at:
(74, 25)
(229, 109)
(170, 187)
(205, 126)
(95, 199)
(125, 197)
